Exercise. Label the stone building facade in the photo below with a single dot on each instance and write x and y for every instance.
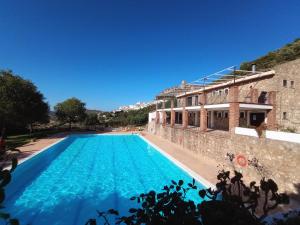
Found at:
(266, 158)
(272, 97)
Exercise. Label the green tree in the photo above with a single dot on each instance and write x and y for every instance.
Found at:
(70, 111)
(91, 119)
(21, 104)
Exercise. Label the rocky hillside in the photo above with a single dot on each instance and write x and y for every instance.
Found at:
(288, 52)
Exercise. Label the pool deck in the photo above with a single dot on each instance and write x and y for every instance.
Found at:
(204, 167)
(34, 147)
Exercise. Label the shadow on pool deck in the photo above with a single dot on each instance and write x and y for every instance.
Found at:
(68, 211)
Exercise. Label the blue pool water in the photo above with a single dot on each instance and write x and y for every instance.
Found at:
(68, 182)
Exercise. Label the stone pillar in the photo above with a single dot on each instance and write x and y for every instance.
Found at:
(254, 95)
(197, 118)
(172, 113)
(271, 114)
(185, 118)
(234, 94)
(157, 117)
(156, 113)
(203, 112)
(202, 99)
(234, 108)
(185, 115)
(212, 117)
(203, 119)
(164, 114)
(164, 118)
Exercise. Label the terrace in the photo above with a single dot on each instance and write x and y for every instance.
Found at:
(220, 101)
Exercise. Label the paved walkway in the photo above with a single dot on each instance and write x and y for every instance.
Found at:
(205, 167)
(35, 146)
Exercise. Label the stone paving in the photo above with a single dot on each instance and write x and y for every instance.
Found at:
(205, 167)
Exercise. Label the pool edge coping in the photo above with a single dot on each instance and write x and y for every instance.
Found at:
(38, 152)
(182, 166)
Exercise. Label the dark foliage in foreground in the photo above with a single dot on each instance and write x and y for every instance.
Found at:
(240, 204)
(5, 177)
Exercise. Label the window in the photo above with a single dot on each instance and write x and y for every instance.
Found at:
(284, 83)
(284, 115)
(190, 101)
(292, 84)
(242, 115)
(219, 115)
(262, 98)
(225, 114)
(220, 92)
(226, 91)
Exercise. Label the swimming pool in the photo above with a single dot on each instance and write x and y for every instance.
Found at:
(69, 181)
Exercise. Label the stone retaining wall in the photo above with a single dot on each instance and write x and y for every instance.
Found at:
(276, 159)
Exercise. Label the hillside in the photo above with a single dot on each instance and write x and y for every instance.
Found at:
(137, 117)
(288, 52)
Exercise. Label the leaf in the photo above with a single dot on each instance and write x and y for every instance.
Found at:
(132, 210)
(100, 213)
(14, 163)
(16, 222)
(180, 182)
(173, 182)
(202, 193)
(2, 195)
(114, 212)
(6, 177)
(4, 215)
(91, 222)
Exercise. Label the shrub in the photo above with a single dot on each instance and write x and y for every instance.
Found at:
(238, 204)
(286, 53)
(289, 130)
(5, 177)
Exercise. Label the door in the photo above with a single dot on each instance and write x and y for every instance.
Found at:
(209, 114)
(256, 119)
(262, 99)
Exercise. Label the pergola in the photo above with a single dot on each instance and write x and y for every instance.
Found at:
(228, 78)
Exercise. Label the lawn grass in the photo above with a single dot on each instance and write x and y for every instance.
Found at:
(16, 141)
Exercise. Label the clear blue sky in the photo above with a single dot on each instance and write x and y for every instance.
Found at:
(115, 52)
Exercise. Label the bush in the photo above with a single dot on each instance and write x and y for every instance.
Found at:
(5, 177)
(289, 130)
(231, 203)
(286, 53)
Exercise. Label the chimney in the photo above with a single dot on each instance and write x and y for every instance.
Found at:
(253, 68)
